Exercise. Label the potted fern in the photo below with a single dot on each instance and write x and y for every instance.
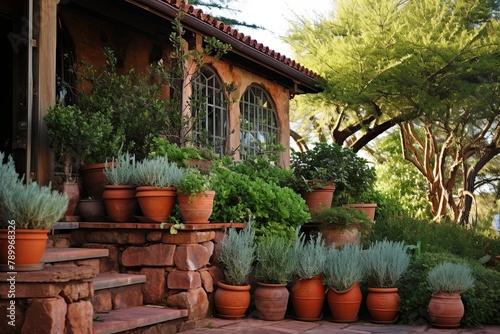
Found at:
(342, 274)
(119, 191)
(157, 179)
(27, 213)
(237, 254)
(308, 291)
(273, 271)
(447, 281)
(195, 196)
(384, 262)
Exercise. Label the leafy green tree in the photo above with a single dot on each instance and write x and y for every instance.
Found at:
(429, 66)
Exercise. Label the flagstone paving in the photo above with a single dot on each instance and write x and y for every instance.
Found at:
(251, 325)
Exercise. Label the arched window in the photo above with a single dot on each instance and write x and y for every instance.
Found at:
(258, 122)
(209, 112)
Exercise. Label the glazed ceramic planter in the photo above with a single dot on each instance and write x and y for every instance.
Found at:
(92, 210)
(271, 301)
(446, 310)
(344, 305)
(231, 301)
(307, 297)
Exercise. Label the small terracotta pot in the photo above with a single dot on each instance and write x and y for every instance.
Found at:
(120, 202)
(308, 296)
(446, 310)
(156, 203)
(196, 209)
(344, 305)
(368, 208)
(231, 301)
(319, 198)
(29, 247)
(72, 191)
(94, 179)
(271, 300)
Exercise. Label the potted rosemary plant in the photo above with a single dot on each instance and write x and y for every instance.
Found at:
(195, 196)
(384, 262)
(273, 271)
(119, 191)
(447, 281)
(27, 213)
(237, 254)
(308, 291)
(342, 274)
(157, 179)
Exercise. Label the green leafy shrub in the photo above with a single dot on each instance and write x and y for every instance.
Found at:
(194, 182)
(276, 210)
(481, 303)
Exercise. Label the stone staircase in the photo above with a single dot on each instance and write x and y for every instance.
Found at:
(117, 298)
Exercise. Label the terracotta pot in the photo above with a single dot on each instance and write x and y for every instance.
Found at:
(196, 209)
(271, 300)
(446, 309)
(334, 235)
(383, 304)
(319, 198)
(231, 301)
(368, 208)
(156, 203)
(308, 296)
(29, 248)
(94, 179)
(120, 202)
(92, 210)
(72, 191)
(344, 305)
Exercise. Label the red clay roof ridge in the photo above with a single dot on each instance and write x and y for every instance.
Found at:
(234, 33)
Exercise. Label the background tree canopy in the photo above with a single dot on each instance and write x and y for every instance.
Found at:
(430, 67)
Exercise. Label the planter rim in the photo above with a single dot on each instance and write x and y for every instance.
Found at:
(272, 284)
(224, 285)
(382, 289)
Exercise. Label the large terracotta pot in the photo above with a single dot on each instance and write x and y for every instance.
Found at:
(92, 210)
(196, 209)
(344, 305)
(319, 198)
(156, 203)
(383, 304)
(338, 236)
(307, 297)
(29, 248)
(120, 202)
(231, 301)
(271, 300)
(94, 179)
(446, 309)
(368, 208)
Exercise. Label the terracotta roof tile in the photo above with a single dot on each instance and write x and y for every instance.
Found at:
(208, 19)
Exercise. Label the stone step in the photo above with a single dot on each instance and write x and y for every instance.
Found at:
(115, 280)
(122, 320)
(52, 255)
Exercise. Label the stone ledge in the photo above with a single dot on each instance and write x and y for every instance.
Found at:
(156, 226)
(121, 320)
(51, 274)
(114, 280)
(70, 254)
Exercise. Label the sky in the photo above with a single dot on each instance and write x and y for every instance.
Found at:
(273, 15)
